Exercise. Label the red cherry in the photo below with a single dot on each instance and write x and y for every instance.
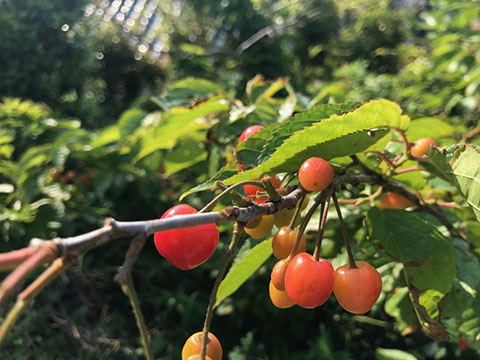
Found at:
(309, 283)
(357, 289)
(392, 200)
(463, 343)
(315, 174)
(251, 190)
(421, 146)
(241, 167)
(189, 247)
(250, 131)
(193, 346)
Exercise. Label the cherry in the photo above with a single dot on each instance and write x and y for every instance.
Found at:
(278, 273)
(357, 289)
(421, 146)
(251, 190)
(462, 343)
(86, 179)
(262, 229)
(284, 216)
(197, 357)
(279, 297)
(308, 282)
(193, 346)
(284, 240)
(315, 174)
(241, 167)
(250, 131)
(189, 247)
(391, 200)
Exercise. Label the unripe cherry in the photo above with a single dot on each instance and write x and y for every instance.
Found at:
(262, 229)
(391, 200)
(193, 346)
(284, 240)
(315, 174)
(278, 273)
(421, 146)
(279, 298)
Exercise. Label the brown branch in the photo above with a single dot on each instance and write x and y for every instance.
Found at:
(124, 278)
(45, 254)
(10, 260)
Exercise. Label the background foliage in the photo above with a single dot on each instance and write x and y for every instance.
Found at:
(92, 127)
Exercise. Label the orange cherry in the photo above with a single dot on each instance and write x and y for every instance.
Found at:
(421, 146)
(193, 346)
(357, 289)
(391, 200)
(279, 297)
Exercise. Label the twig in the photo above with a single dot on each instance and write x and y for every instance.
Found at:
(124, 278)
(45, 254)
(26, 297)
(406, 170)
(10, 260)
(237, 231)
(271, 29)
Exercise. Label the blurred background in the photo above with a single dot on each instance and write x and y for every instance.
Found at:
(83, 86)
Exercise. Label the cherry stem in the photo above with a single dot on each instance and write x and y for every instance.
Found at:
(297, 212)
(321, 228)
(320, 198)
(405, 141)
(351, 259)
(406, 170)
(270, 189)
(225, 192)
(382, 156)
(237, 231)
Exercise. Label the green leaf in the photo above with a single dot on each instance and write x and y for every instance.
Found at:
(184, 156)
(466, 286)
(186, 91)
(337, 136)
(177, 123)
(263, 145)
(434, 127)
(7, 150)
(34, 156)
(222, 174)
(399, 306)
(298, 122)
(243, 269)
(393, 354)
(456, 166)
(428, 256)
(430, 300)
(106, 136)
(466, 170)
(248, 151)
(129, 121)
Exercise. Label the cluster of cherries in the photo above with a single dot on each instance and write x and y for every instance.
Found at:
(298, 277)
